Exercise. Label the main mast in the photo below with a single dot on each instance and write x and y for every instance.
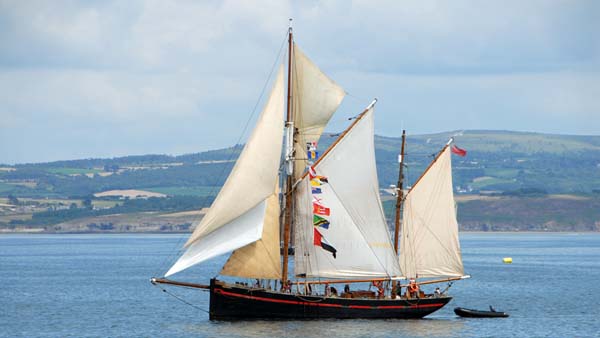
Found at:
(289, 158)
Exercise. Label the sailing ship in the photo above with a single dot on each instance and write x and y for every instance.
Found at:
(332, 207)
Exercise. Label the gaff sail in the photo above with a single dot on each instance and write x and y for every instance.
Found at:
(351, 205)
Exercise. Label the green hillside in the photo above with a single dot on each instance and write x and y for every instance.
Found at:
(522, 168)
(499, 161)
(504, 161)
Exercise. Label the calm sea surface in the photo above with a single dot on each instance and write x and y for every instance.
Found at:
(97, 286)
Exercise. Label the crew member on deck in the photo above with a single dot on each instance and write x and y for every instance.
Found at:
(380, 290)
(413, 288)
(333, 292)
(287, 287)
(397, 293)
(307, 289)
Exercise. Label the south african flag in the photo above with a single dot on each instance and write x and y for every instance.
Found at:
(319, 221)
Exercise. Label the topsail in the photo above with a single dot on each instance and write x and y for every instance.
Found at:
(315, 98)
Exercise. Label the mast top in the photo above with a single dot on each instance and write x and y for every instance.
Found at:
(290, 26)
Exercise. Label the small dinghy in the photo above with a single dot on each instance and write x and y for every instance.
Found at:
(479, 313)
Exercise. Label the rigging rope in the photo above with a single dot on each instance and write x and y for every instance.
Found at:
(180, 299)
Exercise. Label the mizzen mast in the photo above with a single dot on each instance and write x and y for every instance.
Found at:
(400, 193)
(399, 198)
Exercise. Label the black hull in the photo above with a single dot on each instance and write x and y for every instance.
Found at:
(479, 314)
(233, 302)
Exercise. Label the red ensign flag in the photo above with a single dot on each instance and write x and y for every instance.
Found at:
(458, 151)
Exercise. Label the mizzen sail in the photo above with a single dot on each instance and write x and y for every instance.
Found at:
(237, 215)
(430, 245)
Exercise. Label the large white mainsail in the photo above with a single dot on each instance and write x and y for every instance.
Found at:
(430, 245)
(357, 228)
(237, 215)
(315, 98)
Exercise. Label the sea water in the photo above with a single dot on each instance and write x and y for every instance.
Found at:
(98, 286)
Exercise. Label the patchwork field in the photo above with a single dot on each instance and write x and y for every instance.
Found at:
(507, 181)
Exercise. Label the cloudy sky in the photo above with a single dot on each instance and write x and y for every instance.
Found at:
(82, 79)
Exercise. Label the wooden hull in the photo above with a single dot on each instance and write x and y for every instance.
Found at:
(231, 302)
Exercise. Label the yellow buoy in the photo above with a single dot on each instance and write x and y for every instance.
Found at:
(507, 260)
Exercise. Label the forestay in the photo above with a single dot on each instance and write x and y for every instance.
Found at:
(232, 221)
(430, 245)
(357, 228)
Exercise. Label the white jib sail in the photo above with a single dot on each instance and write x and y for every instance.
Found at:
(236, 216)
(357, 229)
(430, 245)
(315, 98)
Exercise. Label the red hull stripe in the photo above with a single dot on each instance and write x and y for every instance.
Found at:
(412, 306)
(233, 294)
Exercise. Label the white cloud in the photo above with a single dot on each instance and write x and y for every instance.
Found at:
(80, 79)
(555, 102)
